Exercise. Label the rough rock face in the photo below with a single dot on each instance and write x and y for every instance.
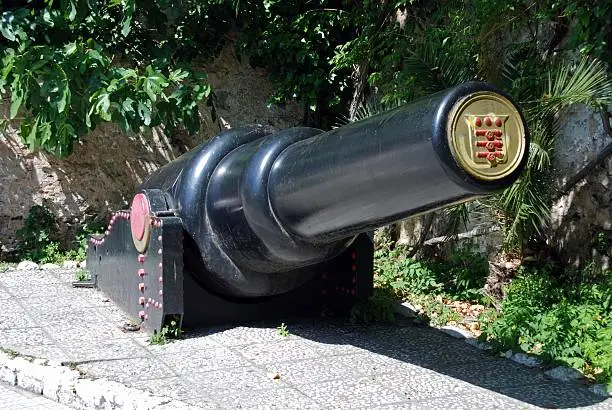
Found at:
(581, 221)
(107, 166)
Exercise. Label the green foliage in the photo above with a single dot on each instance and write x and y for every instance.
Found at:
(170, 331)
(82, 275)
(562, 319)
(282, 330)
(460, 278)
(434, 310)
(35, 239)
(59, 67)
(377, 309)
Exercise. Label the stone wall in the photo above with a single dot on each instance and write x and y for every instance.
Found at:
(107, 166)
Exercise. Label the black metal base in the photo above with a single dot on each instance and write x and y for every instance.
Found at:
(158, 285)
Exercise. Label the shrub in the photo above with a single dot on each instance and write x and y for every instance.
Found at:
(558, 318)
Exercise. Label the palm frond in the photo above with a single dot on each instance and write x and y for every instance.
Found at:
(434, 69)
(587, 83)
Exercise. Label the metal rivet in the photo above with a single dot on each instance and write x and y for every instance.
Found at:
(141, 258)
(159, 252)
(141, 300)
(150, 300)
(161, 265)
(141, 314)
(157, 304)
(146, 316)
(161, 292)
(354, 268)
(161, 279)
(106, 233)
(141, 287)
(141, 272)
(159, 238)
(147, 305)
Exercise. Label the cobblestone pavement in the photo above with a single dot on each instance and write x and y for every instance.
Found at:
(12, 398)
(320, 365)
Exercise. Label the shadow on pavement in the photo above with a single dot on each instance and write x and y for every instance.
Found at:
(405, 344)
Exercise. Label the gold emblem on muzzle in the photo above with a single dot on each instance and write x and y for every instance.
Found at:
(486, 135)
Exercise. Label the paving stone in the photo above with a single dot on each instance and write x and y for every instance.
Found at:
(127, 370)
(434, 355)
(284, 398)
(372, 363)
(105, 350)
(13, 316)
(183, 346)
(493, 374)
(202, 360)
(65, 315)
(280, 351)
(328, 348)
(238, 379)
(174, 387)
(462, 402)
(351, 393)
(29, 290)
(417, 383)
(83, 332)
(312, 370)
(556, 395)
(22, 339)
(4, 294)
(241, 335)
(45, 351)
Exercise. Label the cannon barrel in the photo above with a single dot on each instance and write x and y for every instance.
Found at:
(255, 222)
(261, 207)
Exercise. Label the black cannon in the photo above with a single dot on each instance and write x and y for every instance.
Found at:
(257, 223)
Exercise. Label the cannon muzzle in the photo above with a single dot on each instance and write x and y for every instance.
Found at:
(262, 212)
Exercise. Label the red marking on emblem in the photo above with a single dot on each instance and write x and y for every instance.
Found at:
(488, 121)
(478, 122)
(498, 121)
(140, 211)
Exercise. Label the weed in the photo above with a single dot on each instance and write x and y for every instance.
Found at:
(282, 330)
(560, 319)
(434, 310)
(35, 235)
(82, 275)
(4, 266)
(170, 331)
(377, 309)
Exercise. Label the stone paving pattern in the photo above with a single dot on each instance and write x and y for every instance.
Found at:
(321, 364)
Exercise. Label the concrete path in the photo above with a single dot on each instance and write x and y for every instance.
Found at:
(12, 398)
(321, 364)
